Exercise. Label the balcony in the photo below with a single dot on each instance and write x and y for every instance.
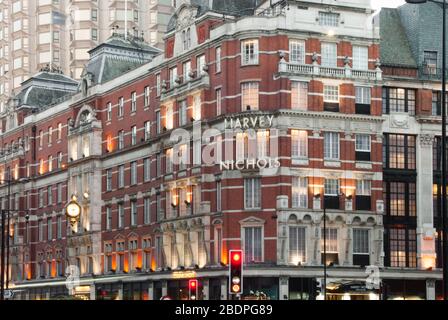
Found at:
(181, 88)
(315, 70)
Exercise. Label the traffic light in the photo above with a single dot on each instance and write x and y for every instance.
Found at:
(193, 289)
(236, 272)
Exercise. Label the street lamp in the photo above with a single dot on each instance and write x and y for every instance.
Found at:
(444, 164)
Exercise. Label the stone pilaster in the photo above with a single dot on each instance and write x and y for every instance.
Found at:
(426, 254)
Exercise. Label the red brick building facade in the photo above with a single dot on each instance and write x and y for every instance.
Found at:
(313, 88)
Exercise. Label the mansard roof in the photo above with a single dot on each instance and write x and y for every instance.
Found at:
(116, 56)
(46, 88)
(395, 46)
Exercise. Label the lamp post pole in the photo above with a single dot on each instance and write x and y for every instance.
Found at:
(8, 230)
(325, 251)
(444, 163)
(2, 275)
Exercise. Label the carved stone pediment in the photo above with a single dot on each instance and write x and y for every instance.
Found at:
(252, 221)
(186, 16)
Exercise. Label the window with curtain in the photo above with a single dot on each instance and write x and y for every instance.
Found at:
(249, 52)
(297, 51)
(360, 58)
(329, 55)
(253, 244)
(299, 192)
(249, 96)
(331, 145)
(252, 193)
(299, 95)
(299, 144)
(297, 245)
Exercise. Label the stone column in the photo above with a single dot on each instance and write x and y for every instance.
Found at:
(282, 203)
(206, 289)
(164, 288)
(284, 288)
(92, 292)
(426, 254)
(430, 289)
(224, 293)
(151, 291)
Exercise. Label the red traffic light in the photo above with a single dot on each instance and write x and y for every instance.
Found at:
(193, 283)
(236, 256)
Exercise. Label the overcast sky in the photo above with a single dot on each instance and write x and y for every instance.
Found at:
(387, 3)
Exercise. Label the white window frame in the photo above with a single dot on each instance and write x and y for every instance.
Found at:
(331, 187)
(331, 93)
(297, 51)
(252, 193)
(360, 58)
(329, 54)
(249, 52)
(363, 143)
(299, 192)
(299, 144)
(299, 95)
(294, 256)
(363, 188)
(363, 95)
(331, 145)
(359, 244)
(253, 235)
(250, 95)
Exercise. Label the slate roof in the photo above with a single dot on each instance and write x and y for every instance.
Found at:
(117, 56)
(394, 44)
(46, 89)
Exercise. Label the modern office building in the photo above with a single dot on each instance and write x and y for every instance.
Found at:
(254, 122)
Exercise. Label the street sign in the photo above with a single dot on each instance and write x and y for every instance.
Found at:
(9, 294)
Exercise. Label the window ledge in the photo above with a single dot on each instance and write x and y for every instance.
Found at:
(332, 163)
(300, 161)
(363, 165)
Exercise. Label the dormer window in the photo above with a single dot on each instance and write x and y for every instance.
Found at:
(186, 39)
(329, 19)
